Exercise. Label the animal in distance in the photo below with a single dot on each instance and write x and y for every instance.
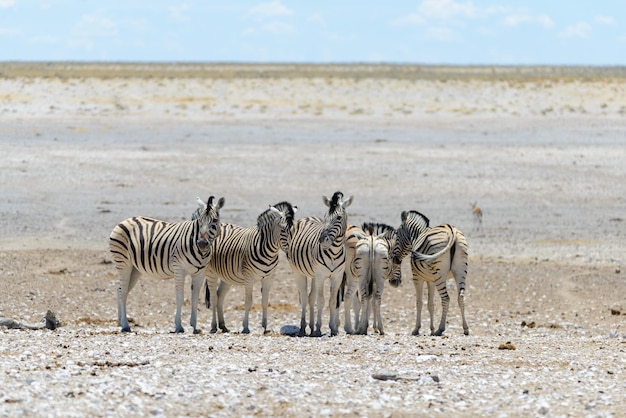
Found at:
(164, 250)
(315, 250)
(436, 254)
(477, 214)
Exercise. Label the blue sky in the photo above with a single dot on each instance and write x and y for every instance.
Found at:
(424, 32)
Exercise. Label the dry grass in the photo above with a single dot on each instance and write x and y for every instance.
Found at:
(230, 71)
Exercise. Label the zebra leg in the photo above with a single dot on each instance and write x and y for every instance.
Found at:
(128, 278)
(248, 304)
(419, 285)
(365, 314)
(312, 303)
(445, 302)
(221, 295)
(431, 305)
(356, 300)
(333, 302)
(378, 298)
(266, 286)
(196, 284)
(459, 271)
(317, 290)
(302, 292)
(179, 284)
(347, 305)
(212, 285)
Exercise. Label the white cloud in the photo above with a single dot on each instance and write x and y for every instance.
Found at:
(514, 20)
(605, 20)
(179, 12)
(96, 25)
(412, 19)
(448, 9)
(316, 18)
(45, 40)
(578, 30)
(442, 34)
(5, 4)
(277, 27)
(271, 9)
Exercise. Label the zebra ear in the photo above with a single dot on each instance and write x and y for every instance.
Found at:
(220, 203)
(200, 202)
(347, 202)
(273, 209)
(326, 201)
(403, 216)
(295, 209)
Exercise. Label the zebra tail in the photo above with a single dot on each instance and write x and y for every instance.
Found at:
(342, 290)
(207, 295)
(430, 257)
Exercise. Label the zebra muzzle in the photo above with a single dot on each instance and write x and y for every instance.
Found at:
(203, 244)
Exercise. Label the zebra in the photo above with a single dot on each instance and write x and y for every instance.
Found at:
(368, 264)
(315, 249)
(244, 256)
(164, 250)
(436, 253)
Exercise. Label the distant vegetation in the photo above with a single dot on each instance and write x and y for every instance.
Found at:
(67, 70)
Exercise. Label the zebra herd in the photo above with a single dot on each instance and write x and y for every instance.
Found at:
(357, 261)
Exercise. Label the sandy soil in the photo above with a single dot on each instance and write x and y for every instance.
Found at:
(541, 152)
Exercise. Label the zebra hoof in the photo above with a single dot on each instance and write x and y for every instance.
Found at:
(197, 331)
(126, 329)
(439, 333)
(245, 331)
(416, 332)
(466, 332)
(316, 333)
(213, 331)
(178, 331)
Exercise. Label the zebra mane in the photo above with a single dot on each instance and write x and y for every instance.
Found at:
(415, 219)
(378, 229)
(335, 202)
(288, 210)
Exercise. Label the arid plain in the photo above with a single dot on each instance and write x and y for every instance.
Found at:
(540, 149)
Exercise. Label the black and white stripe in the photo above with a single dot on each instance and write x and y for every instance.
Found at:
(315, 249)
(436, 254)
(164, 250)
(243, 256)
(368, 266)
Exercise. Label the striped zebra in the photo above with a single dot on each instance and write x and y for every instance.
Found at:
(164, 250)
(315, 249)
(436, 254)
(368, 266)
(244, 256)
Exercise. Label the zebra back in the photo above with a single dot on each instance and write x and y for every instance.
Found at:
(244, 252)
(157, 247)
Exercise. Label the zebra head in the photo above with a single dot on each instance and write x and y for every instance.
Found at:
(287, 213)
(336, 220)
(413, 224)
(209, 222)
(390, 235)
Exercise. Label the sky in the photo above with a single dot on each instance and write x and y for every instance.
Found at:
(483, 32)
